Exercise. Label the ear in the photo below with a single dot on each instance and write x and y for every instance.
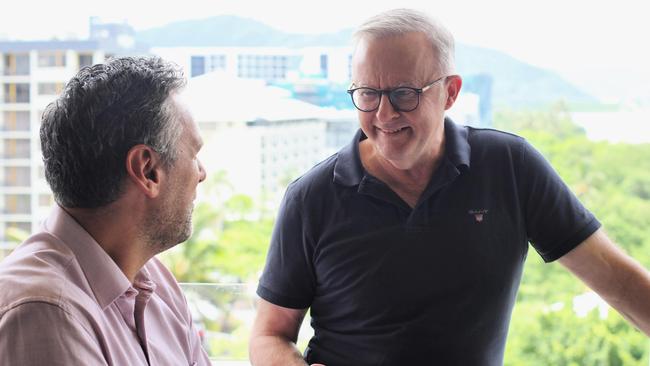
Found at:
(144, 168)
(454, 83)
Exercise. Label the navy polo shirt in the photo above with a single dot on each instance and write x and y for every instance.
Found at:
(391, 285)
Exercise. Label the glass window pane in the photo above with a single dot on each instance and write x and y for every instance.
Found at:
(50, 88)
(14, 121)
(16, 204)
(15, 176)
(16, 64)
(15, 149)
(51, 59)
(16, 93)
(85, 60)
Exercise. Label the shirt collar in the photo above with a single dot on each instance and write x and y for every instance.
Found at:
(348, 170)
(105, 278)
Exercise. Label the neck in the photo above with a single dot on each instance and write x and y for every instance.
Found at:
(116, 234)
(407, 182)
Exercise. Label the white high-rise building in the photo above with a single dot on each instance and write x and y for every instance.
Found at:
(265, 63)
(32, 74)
(259, 135)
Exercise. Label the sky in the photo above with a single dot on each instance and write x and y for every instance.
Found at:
(599, 45)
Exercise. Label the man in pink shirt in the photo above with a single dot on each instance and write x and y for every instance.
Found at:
(119, 147)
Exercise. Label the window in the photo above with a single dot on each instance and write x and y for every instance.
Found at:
(262, 66)
(217, 62)
(50, 88)
(323, 66)
(85, 60)
(16, 204)
(15, 176)
(198, 65)
(15, 149)
(51, 59)
(14, 121)
(16, 93)
(16, 64)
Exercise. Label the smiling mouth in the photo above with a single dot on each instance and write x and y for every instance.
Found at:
(390, 132)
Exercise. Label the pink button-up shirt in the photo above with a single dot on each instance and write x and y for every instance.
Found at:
(63, 301)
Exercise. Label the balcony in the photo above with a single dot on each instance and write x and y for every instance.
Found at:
(223, 314)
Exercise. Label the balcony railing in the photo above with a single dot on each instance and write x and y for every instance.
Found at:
(223, 314)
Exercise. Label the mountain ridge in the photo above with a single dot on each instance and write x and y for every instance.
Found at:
(515, 83)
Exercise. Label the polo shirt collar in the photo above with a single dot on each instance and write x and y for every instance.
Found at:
(105, 278)
(348, 170)
(457, 147)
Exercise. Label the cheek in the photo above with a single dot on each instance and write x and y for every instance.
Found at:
(365, 120)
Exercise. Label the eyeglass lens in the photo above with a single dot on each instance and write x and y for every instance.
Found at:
(402, 99)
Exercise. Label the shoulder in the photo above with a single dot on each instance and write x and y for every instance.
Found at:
(496, 147)
(37, 270)
(44, 333)
(315, 182)
(42, 273)
(493, 138)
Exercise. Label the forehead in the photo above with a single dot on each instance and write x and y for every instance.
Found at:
(393, 60)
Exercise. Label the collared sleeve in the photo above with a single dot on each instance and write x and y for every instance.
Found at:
(556, 221)
(40, 333)
(288, 279)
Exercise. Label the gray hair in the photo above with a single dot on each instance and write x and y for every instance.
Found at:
(104, 111)
(401, 21)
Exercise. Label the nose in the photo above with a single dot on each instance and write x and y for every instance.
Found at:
(386, 112)
(202, 173)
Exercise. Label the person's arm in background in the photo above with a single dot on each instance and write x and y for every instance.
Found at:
(274, 336)
(616, 277)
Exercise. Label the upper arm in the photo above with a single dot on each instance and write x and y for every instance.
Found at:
(274, 320)
(39, 333)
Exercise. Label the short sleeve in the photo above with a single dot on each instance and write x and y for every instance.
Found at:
(556, 221)
(288, 278)
(39, 333)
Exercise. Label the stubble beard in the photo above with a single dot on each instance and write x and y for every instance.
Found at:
(167, 228)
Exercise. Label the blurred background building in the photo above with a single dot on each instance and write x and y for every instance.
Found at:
(267, 113)
(32, 74)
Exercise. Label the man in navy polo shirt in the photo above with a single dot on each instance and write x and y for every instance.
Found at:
(408, 244)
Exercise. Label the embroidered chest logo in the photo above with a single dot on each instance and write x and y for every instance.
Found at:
(479, 214)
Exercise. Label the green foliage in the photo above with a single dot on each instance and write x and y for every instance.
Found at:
(559, 337)
(16, 235)
(242, 249)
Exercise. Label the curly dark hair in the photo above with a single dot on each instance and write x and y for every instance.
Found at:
(104, 111)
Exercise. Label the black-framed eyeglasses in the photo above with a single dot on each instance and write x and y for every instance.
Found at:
(403, 99)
